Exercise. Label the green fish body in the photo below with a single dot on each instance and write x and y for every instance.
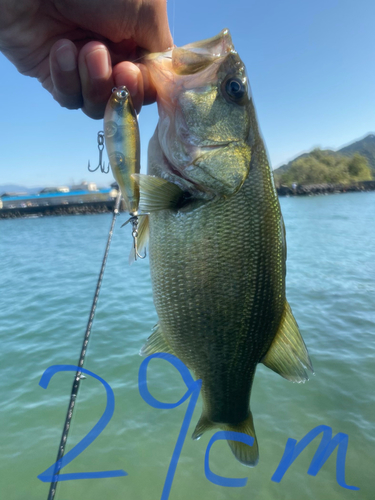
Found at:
(216, 238)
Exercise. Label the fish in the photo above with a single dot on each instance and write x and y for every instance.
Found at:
(121, 133)
(216, 237)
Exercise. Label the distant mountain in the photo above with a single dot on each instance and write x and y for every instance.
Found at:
(365, 147)
(15, 188)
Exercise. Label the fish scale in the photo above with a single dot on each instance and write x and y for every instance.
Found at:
(215, 289)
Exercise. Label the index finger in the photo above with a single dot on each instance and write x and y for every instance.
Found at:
(152, 29)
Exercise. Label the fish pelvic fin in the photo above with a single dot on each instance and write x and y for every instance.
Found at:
(156, 193)
(156, 343)
(247, 455)
(288, 354)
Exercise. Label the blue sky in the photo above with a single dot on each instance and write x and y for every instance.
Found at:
(311, 65)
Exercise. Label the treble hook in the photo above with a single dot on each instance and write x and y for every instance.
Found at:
(134, 221)
(101, 164)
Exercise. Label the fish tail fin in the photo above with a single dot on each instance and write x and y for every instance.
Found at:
(247, 455)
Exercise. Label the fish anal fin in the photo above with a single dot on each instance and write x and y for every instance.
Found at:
(203, 425)
(247, 455)
(157, 193)
(288, 354)
(156, 343)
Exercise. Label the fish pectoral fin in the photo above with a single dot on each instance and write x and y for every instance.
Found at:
(142, 238)
(156, 343)
(247, 455)
(288, 354)
(156, 193)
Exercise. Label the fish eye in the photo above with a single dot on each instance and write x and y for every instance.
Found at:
(122, 94)
(235, 89)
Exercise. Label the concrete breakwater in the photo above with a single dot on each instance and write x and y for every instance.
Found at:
(82, 199)
(315, 189)
(94, 207)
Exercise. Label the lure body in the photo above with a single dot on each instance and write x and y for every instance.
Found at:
(123, 145)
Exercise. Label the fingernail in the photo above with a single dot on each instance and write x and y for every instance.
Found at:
(98, 63)
(129, 78)
(66, 58)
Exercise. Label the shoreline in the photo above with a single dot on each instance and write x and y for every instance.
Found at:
(316, 189)
(99, 207)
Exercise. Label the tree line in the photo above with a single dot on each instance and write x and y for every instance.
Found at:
(324, 167)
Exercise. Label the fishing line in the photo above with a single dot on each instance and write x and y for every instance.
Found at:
(173, 17)
(78, 376)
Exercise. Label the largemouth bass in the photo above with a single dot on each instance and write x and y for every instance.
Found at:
(216, 236)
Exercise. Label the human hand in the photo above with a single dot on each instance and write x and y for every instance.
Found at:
(80, 49)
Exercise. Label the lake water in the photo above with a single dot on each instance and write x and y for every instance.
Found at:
(49, 268)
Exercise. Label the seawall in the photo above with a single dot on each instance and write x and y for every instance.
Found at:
(70, 209)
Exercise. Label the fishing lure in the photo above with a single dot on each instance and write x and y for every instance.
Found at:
(122, 141)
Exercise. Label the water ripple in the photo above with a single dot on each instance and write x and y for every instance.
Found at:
(49, 269)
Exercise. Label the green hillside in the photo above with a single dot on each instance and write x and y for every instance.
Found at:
(365, 147)
(352, 163)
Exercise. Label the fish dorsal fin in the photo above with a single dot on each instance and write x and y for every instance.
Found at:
(156, 343)
(142, 238)
(288, 355)
(156, 193)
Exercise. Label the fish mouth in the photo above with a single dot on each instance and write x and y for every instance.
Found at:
(197, 56)
(222, 40)
(217, 145)
(218, 45)
(193, 57)
(180, 175)
(177, 74)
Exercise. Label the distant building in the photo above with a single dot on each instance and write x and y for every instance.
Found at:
(84, 186)
(58, 197)
(5, 195)
(50, 190)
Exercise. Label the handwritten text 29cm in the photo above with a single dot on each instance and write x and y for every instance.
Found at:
(291, 452)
